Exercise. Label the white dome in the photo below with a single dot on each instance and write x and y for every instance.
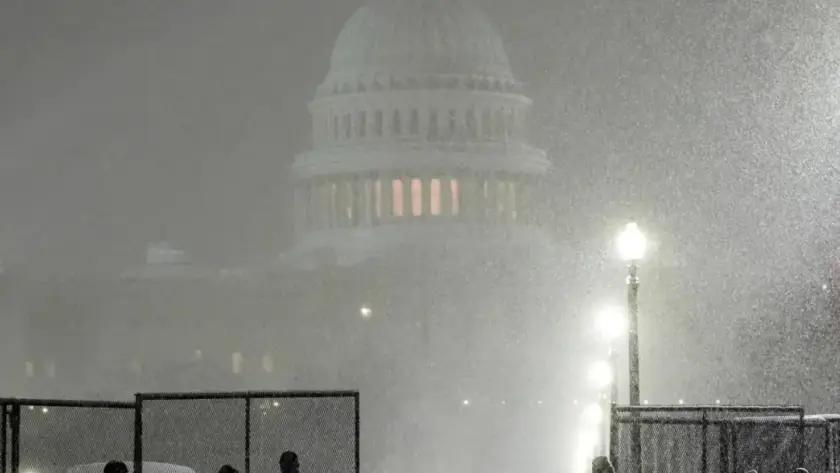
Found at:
(395, 40)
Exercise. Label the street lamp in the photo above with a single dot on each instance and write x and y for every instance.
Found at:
(631, 248)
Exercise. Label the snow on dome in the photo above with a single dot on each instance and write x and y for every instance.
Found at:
(394, 40)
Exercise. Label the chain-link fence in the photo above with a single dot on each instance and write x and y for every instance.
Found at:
(250, 430)
(706, 439)
(51, 436)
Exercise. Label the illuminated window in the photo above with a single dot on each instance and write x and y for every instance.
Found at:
(362, 124)
(396, 124)
(433, 126)
(416, 197)
(452, 123)
(398, 198)
(237, 362)
(472, 130)
(51, 369)
(268, 364)
(434, 197)
(348, 128)
(30, 369)
(377, 123)
(414, 125)
(377, 198)
(456, 197)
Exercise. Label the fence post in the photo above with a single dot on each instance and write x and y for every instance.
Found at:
(247, 433)
(358, 431)
(4, 437)
(801, 444)
(15, 444)
(704, 459)
(723, 436)
(614, 435)
(138, 433)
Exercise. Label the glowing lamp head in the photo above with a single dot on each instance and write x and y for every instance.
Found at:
(611, 323)
(365, 311)
(631, 243)
(600, 375)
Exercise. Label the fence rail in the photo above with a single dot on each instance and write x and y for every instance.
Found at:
(200, 430)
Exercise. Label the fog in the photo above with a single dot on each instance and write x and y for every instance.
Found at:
(712, 124)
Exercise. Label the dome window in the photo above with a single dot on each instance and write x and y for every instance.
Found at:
(396, 124)
(377, 199)
(416, 197)
(362, 123)
(455, 196)
(348, 127)
(434, 197)
(414, 124)
(472, 132)
(486, 124)
(397, 201)
(377, 123)
(432, 135)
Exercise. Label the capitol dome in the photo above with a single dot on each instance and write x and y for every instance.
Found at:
(414, 43)
(419, 142)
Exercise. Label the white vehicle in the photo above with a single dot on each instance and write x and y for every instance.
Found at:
(148, 467)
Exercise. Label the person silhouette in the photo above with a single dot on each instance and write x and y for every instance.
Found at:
(115, 466)
(228, 469)
(289, 462)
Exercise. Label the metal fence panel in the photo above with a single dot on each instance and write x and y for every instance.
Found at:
(249, 430)
(202, 434)
(708, 439)
(53, 437)
(321, 430)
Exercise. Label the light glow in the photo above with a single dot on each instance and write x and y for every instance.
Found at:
(631, 243)
(365, 311)
(611, 323)
(600, 375)
(592, 415)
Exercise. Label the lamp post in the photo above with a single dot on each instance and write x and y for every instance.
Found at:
(611, 324)
(631, 247)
